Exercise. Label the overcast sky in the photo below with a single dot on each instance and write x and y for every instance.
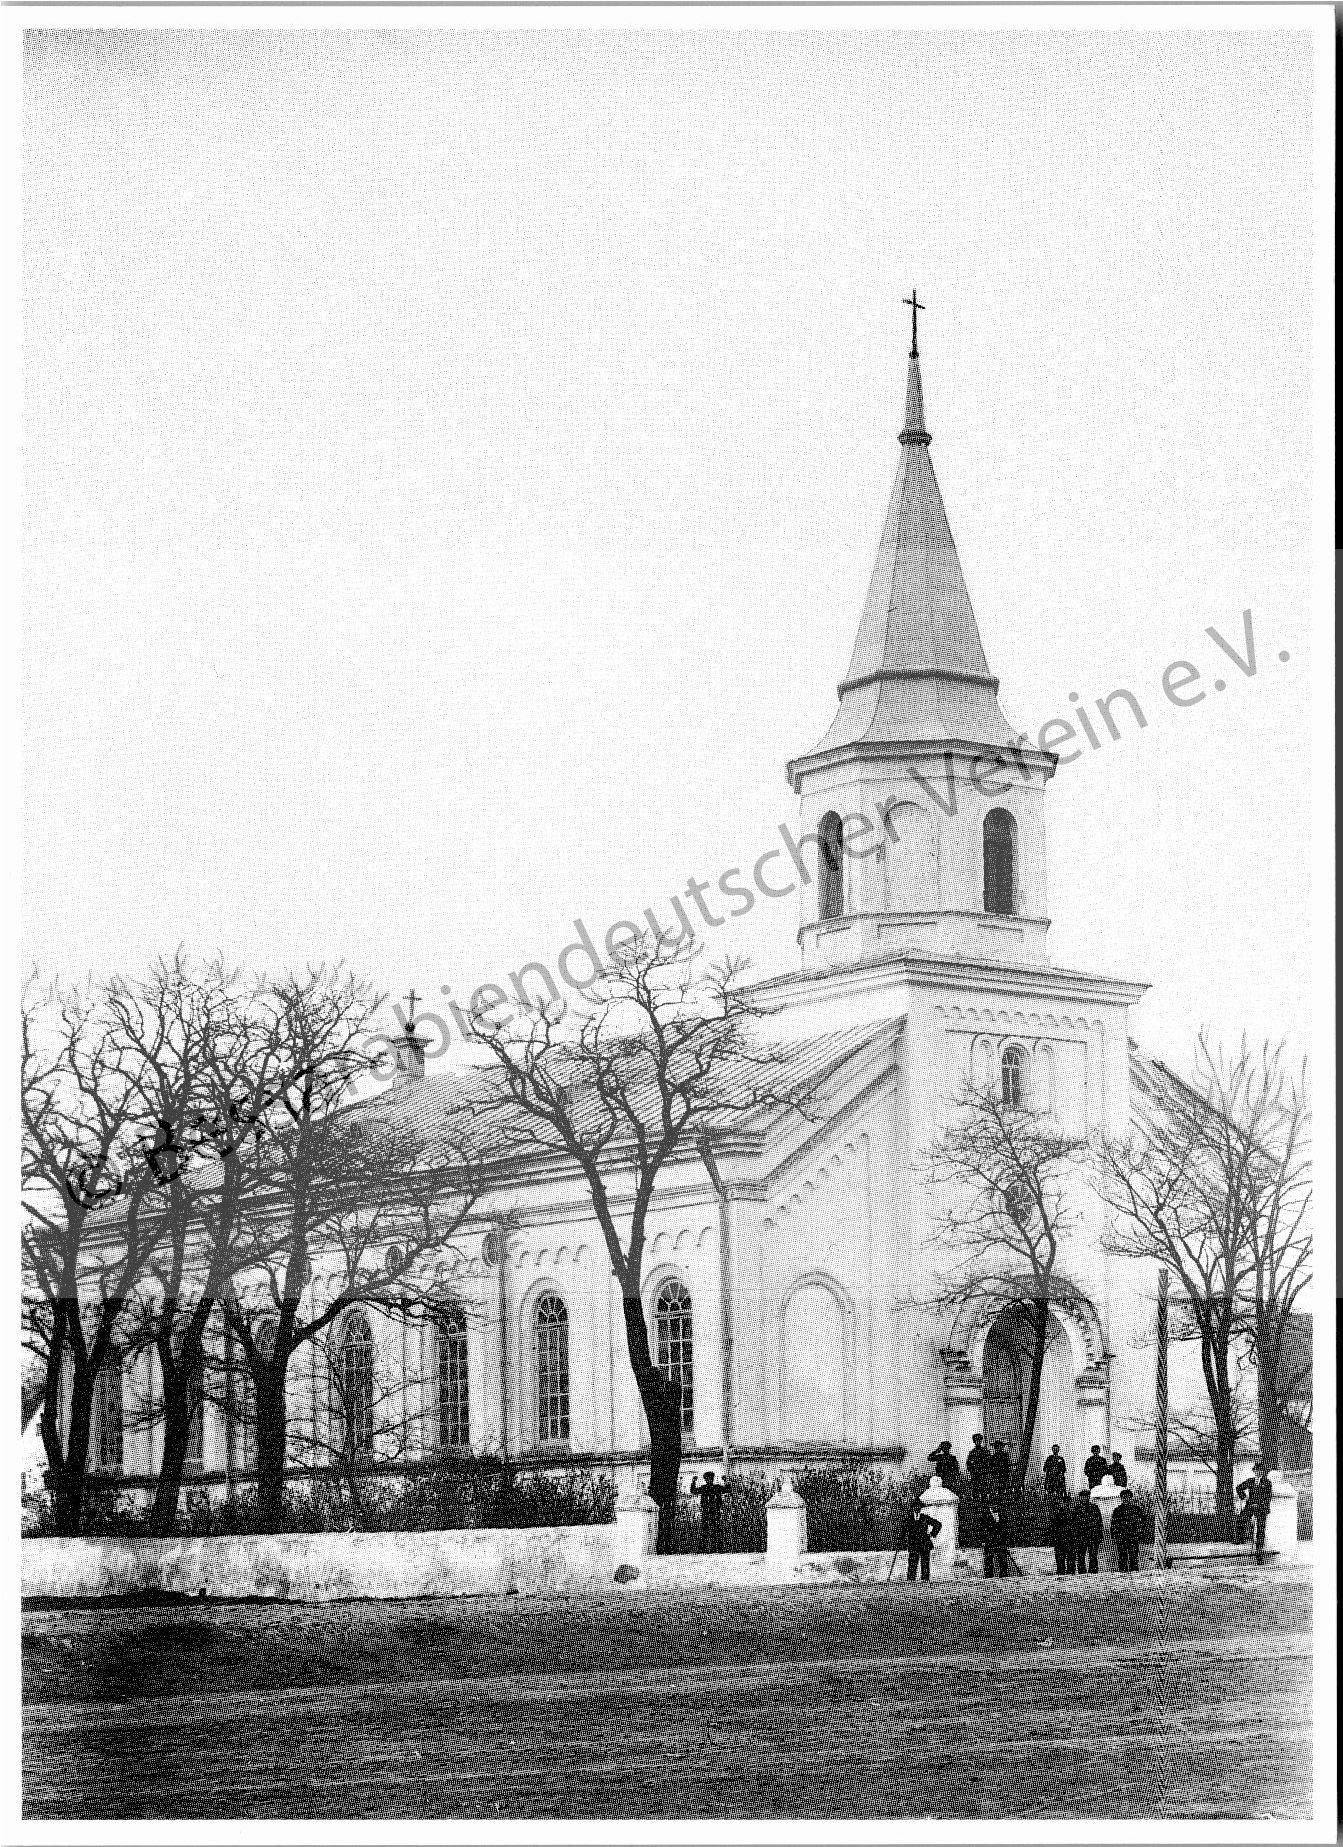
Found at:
(454, 464)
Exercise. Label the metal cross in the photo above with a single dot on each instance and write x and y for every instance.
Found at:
(913, 303)
(410, 1000)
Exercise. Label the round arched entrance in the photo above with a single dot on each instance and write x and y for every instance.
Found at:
(1009, 1349)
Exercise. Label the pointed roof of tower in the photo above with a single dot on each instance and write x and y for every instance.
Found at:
(918, 672)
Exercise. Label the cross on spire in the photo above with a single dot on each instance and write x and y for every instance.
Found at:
(410, 1000)
(913, 303)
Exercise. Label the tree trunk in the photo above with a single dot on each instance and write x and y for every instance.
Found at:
(271, 1436)
(1216, 1378)
(1040, 1330)
(176, 1435)
(662, 1407)
(67, 1462)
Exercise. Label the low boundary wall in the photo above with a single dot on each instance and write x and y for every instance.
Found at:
(326, 1567)
(486, 1562)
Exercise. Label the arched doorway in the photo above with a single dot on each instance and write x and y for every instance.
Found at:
(1008, 1351)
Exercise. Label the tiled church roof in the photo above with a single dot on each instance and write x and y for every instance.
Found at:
(466, 1104)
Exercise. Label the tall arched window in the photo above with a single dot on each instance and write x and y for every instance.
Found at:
(1000, 863)
(108, 1423)
(830, 835)
(454, 1398)
(673, 1331)
(1014, 1076)
(353, 1383)
(552, 1370)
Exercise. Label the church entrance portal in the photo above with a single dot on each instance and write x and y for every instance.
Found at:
(1008, 1352)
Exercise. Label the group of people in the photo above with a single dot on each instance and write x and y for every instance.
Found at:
(1075, 1525)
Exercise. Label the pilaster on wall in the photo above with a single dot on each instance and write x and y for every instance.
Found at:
(1093, 1405)
(963, 1395)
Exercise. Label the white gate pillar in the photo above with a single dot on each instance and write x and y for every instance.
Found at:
(944, 1506)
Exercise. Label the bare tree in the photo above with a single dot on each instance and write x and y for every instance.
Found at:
(1259, 1126)
(663, 1053)
(1002, 1173)
(208, 1076)
(345, 1188)
(92, 1173)
(1168, 1205)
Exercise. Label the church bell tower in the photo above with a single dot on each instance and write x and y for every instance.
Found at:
(922, 809)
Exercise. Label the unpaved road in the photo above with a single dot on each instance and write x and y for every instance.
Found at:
(1171, 1696)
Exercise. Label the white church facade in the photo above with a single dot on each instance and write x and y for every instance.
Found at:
(794, 1289)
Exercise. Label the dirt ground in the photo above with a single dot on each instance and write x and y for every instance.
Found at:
(1171, 1695)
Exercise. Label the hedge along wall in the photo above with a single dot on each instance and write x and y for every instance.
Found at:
(325, 1567)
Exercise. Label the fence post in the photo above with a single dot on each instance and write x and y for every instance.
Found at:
(945, 1507)
(636, 1534)
(1105, 1496)
(1280, 1530)
(785, 1530)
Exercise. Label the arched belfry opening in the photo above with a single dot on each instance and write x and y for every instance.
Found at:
(1000, 863)
(830, 836)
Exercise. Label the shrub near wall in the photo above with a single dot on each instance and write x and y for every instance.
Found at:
(451, 1497)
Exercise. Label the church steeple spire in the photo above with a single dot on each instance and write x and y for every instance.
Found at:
(918, 673)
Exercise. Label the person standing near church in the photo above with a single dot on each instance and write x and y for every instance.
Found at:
(1095, 1468)
(1256, 1491)
(1088, 1531)
(1000, 1468)
(977, 1468)
(945, 1467)
(923, 1530)
(1126, 1524)
(1061, 1534)
(1118, 1473)
(995, 1538)
(1055, 1473)
(711, 1496)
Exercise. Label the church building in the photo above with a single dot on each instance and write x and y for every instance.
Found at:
(794, 1291)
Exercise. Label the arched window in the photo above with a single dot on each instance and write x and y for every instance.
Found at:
(454, 1399)
(552, 1370)
(1014, 1076)
(830, 835)
(673, 1330)
(353, 1382)
(108, 1422)
(1000, 863)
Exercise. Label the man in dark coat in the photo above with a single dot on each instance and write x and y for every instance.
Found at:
(1095, 1468)
(1000, 1467)
(923, 1530)
(1126, 1525)
(945, 1467)
(1055, 1473)
(711, 1495)
(1061, 1534)
(1118, 1473)
(977, 1468)
(1088, 1531)
(995, 1539)
(1256, 1491)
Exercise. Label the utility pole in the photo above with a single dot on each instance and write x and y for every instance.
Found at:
(1161, 1552)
